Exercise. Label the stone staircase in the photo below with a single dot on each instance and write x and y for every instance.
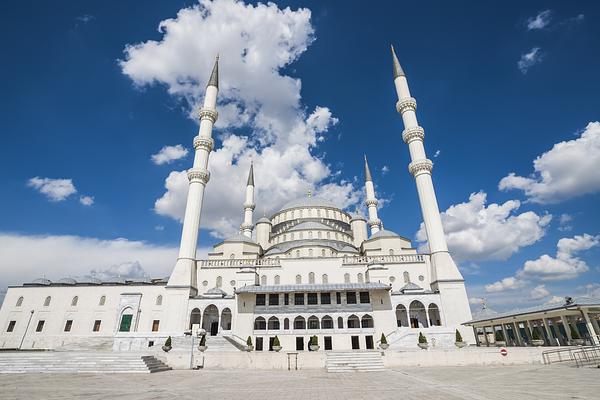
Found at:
(437, 336)
(351, 361)
(219, 344)
(78, 362)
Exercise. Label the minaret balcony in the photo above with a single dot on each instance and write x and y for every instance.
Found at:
(406, 104)
(204, 143)
(415, 133)
(419, 167)
(198, 175)
(207, 113)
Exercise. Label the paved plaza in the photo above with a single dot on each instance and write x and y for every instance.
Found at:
(448, 383)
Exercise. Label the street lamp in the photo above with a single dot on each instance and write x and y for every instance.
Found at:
(199, 333)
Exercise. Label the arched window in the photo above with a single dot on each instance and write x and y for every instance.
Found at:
(311, 277)
(391, 252)
(327, 322)
(346, 278)
(260, 324)
(340, 323)
(401, 316)
(273, 323)
(434, 315)
(297, 253)
(74, 301)
(366, 321)
(310, 252)
(313, 322)
(286, 323)
(360, 278)
(263, 280)
(319, 234)
(418, 315)
(277, 279)
(219, 281)
(159, 300)
(226, 319)
(353, 322)
(47, 301)
(328, 235)
(292, 235)
(20, 301)
(298, 279)
(406, 277)
(324, 278)
(310, 234)
(299, 323)
(195, 317)
(322, 252)
(102, 301)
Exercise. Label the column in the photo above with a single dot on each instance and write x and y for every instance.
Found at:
(551, 338)
(477, 342)
(567, 327)
(505, 333)
(518, 337)
(590, 327)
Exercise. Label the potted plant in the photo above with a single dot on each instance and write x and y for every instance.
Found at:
(422, 341)
(276, 344)
(202, 344)
(167, 346)
(576, 340)
(458, 340)
(383, 344)
(249, 346)
(314, 343)
(499, 336)
(536, 339)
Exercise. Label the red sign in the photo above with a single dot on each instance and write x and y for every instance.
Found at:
(503, 351)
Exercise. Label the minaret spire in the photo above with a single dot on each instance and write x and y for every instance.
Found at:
(249, 205)
(371, 201)
(397, 68)
(184, 274)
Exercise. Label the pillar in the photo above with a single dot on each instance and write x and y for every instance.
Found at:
(518, 337)
(551, 338)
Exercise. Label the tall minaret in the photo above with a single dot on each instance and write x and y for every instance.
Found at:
(371, 201)
(249, 204)
(184, 273)
(443, 267)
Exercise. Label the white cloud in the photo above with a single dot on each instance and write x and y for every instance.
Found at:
(540, 21)
(86, 200)
(555, 300)
(510, 283)
(128, 270)
(528, 60)
(159, 228)
(564, 265)
(168, 154)
(539, 292)
(437, 153)
(569, 169)
(385, 169)
(476, 231)
(565, 218)
(255, 43)
(53, 189)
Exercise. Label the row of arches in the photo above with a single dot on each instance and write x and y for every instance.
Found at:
(360, 278)
(210, 320)
(75, 301)
(313, 322)
(311, 212)
(417, 316)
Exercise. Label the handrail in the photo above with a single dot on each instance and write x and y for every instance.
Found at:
(407, 258)
(546, 355)
(586, 356)
(240, 262)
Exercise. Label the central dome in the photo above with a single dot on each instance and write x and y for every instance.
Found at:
(309, 202)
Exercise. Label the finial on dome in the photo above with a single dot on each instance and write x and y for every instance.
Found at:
(214, 76)
(397, 68)
(251, 175)
(367, 172)
(309, 193)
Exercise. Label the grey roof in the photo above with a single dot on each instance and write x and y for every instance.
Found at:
(216, 291)
(264, 220)
(214, 76)
(309, 202)
(410, 286)
(115, 279)
(292, 244)
(67, 281)
(328, 287)
(238, 237)
(384, 233)
(90, 280)
(251, 176)
(358, 216)
(367, 171)
(397, 68)
(41, 281)
(309, 225)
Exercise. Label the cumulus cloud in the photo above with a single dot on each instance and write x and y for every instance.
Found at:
(53, 189)
(385, 169)
(529, 59)
(540, 21)
(86, 200)
(168, 154)
(510, 283)
(255, 43)
(569, 169)
(128, 270)
(539, 292)
(477, 232)
(437, 153)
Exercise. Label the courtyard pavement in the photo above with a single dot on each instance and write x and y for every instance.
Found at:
(448, 383)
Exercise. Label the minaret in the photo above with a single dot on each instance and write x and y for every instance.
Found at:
(443, 267)
(249, 205)
(371, 201)
(184, 274)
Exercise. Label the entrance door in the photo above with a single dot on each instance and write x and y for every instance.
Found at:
(125, 323)
(214, 328)
(299, 343)
(414, 322)
(369, 340)
(328, 345)
(259, 344)
(355, 344)
(271, 339)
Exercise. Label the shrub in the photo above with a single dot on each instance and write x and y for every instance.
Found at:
(574, 333)
(535, 335)
(422, 338)
(383, 339)
(458, 336)
(249, 341)
(202, 340)
(314, 340)
(168, 342)
(499, 336)
(276, 341)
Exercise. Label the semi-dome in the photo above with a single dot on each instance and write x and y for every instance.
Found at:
(384, 233)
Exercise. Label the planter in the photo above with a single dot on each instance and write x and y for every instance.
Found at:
(460, 345)
(249, 348)
(313, 347)
(166, 349)
(277, 348)
(577, 342)
(202, 348)
(423, 346)
(383, 346)
(537, 342)
(500, 343)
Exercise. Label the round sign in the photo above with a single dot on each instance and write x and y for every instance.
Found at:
(503, 351)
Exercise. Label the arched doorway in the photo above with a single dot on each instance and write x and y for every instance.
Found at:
(226, 319)
(401, 316)
(195, 317)
(418, 315)
(126, 320)
(210, 320)
(434, 315)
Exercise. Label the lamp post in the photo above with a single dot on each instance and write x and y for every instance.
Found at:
(26, 329)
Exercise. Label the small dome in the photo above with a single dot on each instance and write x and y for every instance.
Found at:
(90, 280)
(384, 233)
(239, 238)
(41, 281)
(67, 281)
(115, 279)
(411, 286)
(263, 220)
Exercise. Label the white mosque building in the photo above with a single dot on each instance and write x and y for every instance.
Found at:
(311, 268)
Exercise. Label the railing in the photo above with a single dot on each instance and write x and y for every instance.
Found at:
(587, 356)
(564, 354)
(408, 258)
(241, 262)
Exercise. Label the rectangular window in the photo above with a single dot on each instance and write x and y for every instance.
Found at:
(299, 299)
(155, 325)
(364, 297)
(40, 326)
(325, 298)
(286, 299)
(327, 340)
(338, 297)
(11, 326)
(260, 300)
(312, 299)
(97, 325)
(299, 344)
(273, 299)
(369, 341)
(259, 344)
(68, 325)
(350, 297)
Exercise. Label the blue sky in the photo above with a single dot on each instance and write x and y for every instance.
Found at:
(496, 88)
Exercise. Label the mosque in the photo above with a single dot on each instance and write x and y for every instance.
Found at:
(310, 269)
